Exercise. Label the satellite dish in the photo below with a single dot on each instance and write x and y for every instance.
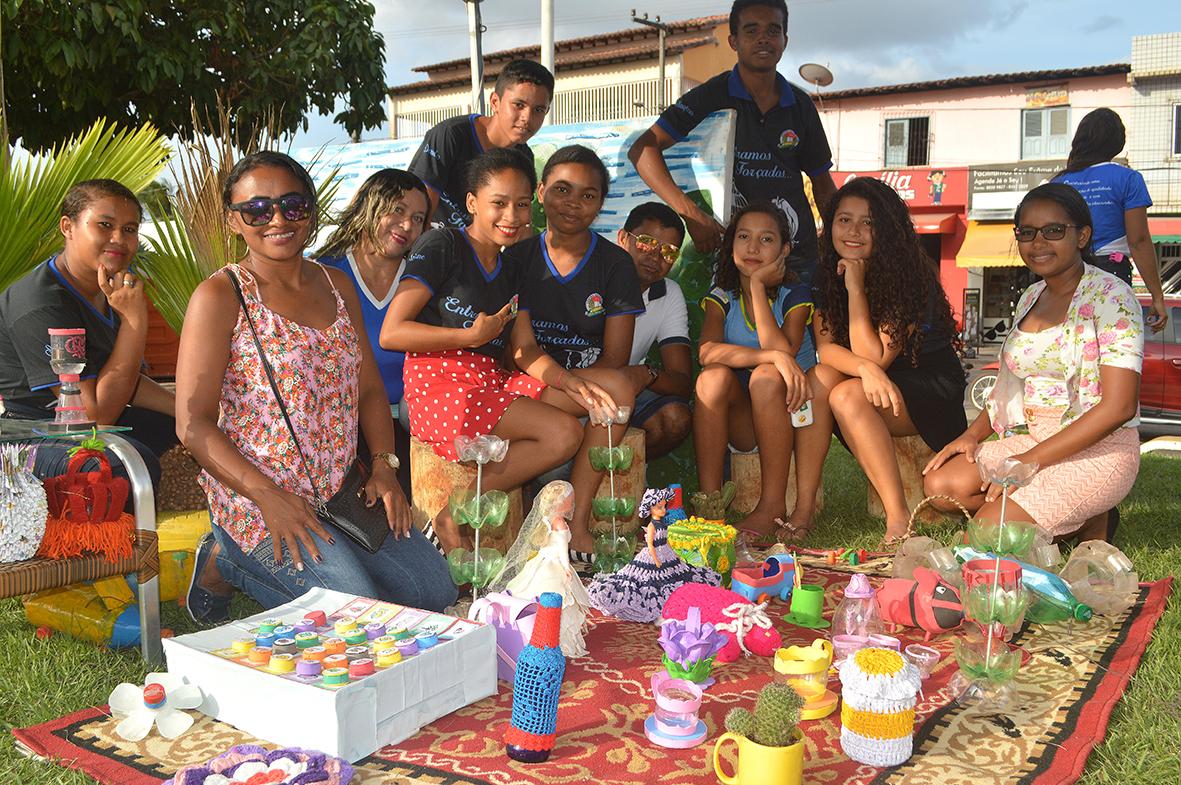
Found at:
(816, 74)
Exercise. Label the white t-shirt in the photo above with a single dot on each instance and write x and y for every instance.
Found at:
(663, 321)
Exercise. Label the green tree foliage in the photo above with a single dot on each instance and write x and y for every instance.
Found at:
(69, 62)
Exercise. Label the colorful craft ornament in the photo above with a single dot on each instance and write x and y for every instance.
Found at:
(927, 602)
(745, 625)
(615, 552)
(86, 509)
(532, 731)
(249, 764)
(23, 508)
(159, 702)
(878, 689)
(690, 646)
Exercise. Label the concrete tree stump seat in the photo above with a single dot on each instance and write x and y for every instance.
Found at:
(748, 476)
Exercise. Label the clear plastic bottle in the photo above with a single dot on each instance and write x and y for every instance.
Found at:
(858, 612)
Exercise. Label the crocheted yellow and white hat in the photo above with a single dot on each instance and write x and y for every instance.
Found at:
(878, 690)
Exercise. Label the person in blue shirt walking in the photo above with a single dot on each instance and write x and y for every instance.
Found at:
(1119, 203)
(372, 238)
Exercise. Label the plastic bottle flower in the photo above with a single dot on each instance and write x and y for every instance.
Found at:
(690, 646)
(478, 510)
(159, 702)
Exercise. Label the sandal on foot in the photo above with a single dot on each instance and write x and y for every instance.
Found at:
(892, 542)
(758, 540)
(790, 534)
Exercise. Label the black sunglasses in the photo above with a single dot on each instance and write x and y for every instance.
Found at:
(259, 212)
(1026, 234)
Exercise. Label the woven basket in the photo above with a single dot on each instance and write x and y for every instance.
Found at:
(179, 490)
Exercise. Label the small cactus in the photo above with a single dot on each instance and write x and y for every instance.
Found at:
(712, 506)
(773, 723)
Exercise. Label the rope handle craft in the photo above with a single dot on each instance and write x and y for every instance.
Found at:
(912, 524)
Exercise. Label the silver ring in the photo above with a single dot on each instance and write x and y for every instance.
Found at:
(129, 282)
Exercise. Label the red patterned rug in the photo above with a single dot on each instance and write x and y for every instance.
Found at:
(1065, 696)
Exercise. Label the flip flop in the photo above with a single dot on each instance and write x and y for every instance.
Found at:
(794, 534)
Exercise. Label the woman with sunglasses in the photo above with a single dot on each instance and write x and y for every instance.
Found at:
(89, 285)
(370, 243)
(1066, 399)
(259, 465)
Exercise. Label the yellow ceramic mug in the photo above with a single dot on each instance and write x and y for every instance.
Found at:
(759, 765)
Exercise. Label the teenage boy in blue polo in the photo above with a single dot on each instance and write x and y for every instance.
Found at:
(778, 136)
(519, 102)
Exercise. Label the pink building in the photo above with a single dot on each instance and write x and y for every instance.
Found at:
(982, 142)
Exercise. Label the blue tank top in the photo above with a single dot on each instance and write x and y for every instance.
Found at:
(739, 325)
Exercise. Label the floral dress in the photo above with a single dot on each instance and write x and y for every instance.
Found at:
(1048, 379)
(318, 374)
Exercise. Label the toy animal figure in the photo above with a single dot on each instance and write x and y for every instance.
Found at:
(745, 625)
(927, 602)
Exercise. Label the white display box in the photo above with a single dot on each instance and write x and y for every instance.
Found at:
(353, 720)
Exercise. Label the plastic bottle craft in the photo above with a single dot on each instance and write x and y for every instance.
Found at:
(858, 612)
(479, 511)
(158, 703)
(996, 598)
(746, 626)
(1101, 576)
(533, 729)
(878, 692)
(690, 646)
(674, 723)
(614, 528)
(23, 508)
(86, 509)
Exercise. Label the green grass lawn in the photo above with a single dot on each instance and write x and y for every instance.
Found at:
(46, 679)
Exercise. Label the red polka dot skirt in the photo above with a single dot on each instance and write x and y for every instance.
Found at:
(456, 392)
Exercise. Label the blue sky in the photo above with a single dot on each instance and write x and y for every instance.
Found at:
(864, 42)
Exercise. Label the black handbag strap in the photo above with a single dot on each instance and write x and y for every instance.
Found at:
(266, 367)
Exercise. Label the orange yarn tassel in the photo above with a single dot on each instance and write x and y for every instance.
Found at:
(67, 539)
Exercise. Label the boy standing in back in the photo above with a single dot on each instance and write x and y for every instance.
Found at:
(519, 101)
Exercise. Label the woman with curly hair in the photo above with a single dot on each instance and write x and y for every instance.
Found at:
(887, 344)
(755, 349)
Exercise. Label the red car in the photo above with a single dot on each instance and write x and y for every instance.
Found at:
(1160, 383)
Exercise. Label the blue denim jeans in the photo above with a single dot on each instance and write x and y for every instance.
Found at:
(406, 571)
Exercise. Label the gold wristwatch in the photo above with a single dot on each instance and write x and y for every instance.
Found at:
(389, 458)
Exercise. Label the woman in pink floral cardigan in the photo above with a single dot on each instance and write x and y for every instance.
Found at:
(1066, 398)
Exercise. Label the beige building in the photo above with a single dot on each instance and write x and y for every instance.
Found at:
(600, 77)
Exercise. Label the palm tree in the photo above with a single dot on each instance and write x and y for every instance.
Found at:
(32, 186)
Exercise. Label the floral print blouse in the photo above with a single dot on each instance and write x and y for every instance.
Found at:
(1103, 326)
(318, 374)
(1035, 358)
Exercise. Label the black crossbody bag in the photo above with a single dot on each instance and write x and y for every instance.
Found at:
(346, 510)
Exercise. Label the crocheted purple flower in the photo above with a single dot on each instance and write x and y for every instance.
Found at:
(248, 764)
(690, 641)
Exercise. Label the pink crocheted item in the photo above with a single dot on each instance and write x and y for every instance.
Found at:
(745, 625)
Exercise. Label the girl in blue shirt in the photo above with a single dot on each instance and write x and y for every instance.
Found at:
(755, 350)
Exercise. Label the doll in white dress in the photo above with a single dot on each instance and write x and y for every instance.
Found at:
(539, 561)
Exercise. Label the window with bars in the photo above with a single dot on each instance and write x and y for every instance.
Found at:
(907, 141)
(1045, 133)
(1177, 129)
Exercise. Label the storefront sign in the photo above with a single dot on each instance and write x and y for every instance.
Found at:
(995, 190)
(919, 187)
(1054, 95)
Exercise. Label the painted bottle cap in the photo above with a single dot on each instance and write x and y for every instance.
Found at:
(387, 658)
(285, 631)
(399, 633)
(307, 668)
(265, 641)
(335, 661)
(382, 644)
(243, 645)
(426, 640)
(267, 626)
(305, 640)
(284, 646)
(345, 625)
(314, 653)
(361, 668)
(282, 663)
(319, 618)
(374, 629)
(336, 676)
(408, 647)
(334, 645)
(259, 656)
(355, 637)
(305, 625)
(353, 653)
(154, 695)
